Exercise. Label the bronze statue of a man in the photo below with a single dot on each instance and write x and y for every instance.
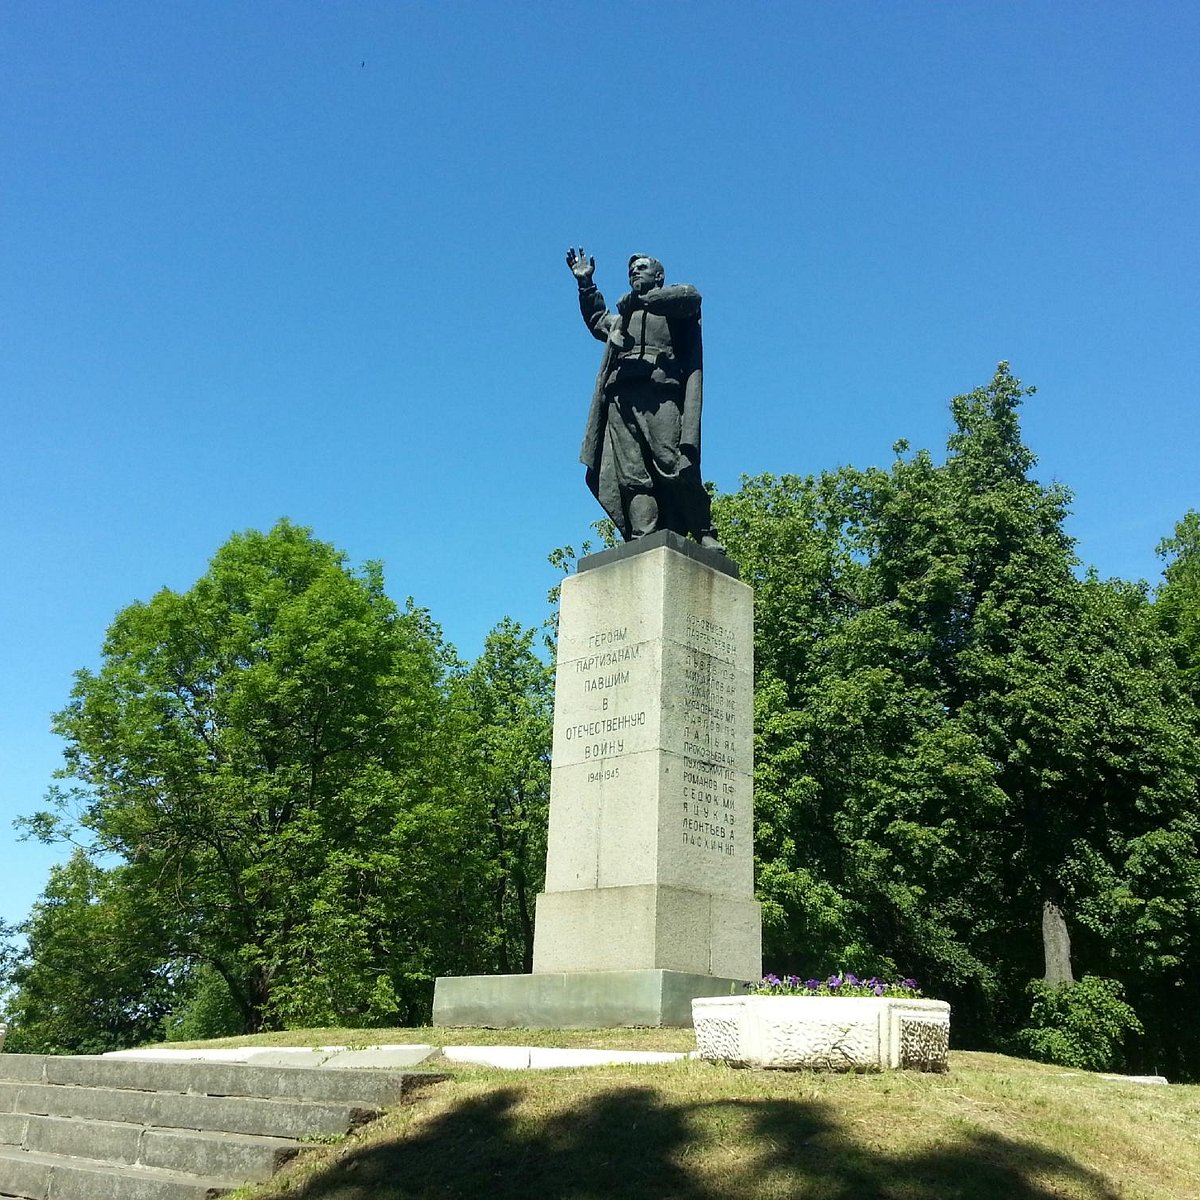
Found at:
(641, 447)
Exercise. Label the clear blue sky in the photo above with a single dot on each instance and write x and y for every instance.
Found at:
(306, 259)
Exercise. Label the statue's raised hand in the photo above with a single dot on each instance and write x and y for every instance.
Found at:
(582, 266)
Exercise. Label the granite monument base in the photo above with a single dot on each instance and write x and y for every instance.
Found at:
(650, 855)
(660, 928)
(648, 901)
(576, 1000)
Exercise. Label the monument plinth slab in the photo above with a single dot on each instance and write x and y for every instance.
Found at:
(650, 858)
(573, 1000)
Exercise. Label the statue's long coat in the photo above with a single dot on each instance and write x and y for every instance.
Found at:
(680, 305)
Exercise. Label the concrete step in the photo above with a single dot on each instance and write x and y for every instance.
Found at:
(35, 1176)
(199, 1152)
(98, 1128)
(374, 1087)
(171, 1110)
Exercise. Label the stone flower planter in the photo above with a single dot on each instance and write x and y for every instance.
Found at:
(824, 1033)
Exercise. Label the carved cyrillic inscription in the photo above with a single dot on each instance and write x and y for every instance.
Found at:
(711, 636)
(710, 737)
(590, 729)
(614, 679)
(611, 677)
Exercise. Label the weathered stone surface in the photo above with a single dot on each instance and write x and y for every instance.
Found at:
(577, 1000)
(232, 1114)
(225, 1079)
(105, 1128)
(675, 929)
(651, 860)
(332, 1058)
(824, 1032)
(36, 1176)
(717, 559)
(226, 1155)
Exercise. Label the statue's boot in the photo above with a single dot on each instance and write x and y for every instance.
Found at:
(643, 515)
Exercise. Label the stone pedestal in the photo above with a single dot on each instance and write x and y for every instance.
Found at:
(650, 864)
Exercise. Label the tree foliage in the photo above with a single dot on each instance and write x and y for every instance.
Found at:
(1081, 1025)
(1178, 600)
(509, 695)
(304, 789)
(93, 975)
(954, 730)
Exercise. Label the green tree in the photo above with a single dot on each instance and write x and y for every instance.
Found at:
(274, 756)
(1080, 1025)
(509, 693)
(93, 977)
(201, 1007)
(963, 751)
(1177, 604)
(10, 954)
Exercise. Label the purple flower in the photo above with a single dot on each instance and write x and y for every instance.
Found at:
(911, 984)
(833, 982)
(852, 980)
(813, 985)
(878, 988)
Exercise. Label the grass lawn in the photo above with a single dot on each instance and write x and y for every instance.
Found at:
(994, 1128)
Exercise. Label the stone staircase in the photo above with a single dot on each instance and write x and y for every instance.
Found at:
(93, 1128)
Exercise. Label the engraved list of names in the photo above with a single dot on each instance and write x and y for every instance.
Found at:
(711, 743)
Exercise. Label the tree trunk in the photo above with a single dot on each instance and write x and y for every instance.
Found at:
(526, 919)
(1056, 942)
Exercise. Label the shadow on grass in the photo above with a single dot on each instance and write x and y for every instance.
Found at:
(629, 1144)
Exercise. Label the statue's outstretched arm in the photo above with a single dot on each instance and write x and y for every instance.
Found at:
(591, 302)
(582, 267)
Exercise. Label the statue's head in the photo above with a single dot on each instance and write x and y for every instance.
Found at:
(645, 273)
